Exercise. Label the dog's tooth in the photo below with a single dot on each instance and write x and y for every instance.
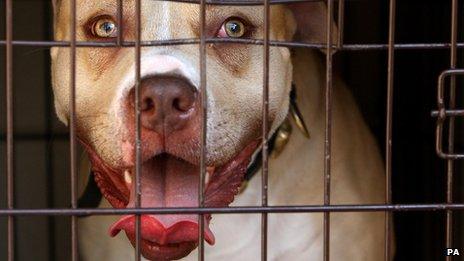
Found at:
(209, 173)
(127, 177)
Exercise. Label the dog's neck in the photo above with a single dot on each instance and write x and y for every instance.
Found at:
(308, 72)
(309, 81)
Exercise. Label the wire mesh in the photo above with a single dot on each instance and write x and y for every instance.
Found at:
(329, 47)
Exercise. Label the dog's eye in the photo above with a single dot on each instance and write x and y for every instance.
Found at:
(105, 28)
(233, 28)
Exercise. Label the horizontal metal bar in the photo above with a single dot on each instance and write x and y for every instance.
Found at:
(186, 41)
(448, 113)
(232, 210)
(36, 136)
(102, 44)
(248, 2)
(238, 2)
(450, 156)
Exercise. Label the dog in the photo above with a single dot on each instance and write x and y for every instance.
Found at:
(171, 132)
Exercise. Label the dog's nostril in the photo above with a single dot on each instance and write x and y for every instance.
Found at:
(182, 105)
(148, 104)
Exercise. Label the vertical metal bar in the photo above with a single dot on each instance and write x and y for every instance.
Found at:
(120, 22)
(328, 130)
(265, 119)
(203, 100)
(72, 130)
(452, 105)
(341, 23)
(48, 146)
(9, 130)
(138, 160)
(389, 121)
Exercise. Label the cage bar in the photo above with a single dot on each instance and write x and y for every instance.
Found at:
(188, 41)
(341, 23)
(72, 131)
(447, 113)
(328, 130)
(265, 129)
(452, 104)
(138, 161)
(9, 128)
(235, 210)
(204, 127)
(120, 38)
(389, 123)
(442, 113)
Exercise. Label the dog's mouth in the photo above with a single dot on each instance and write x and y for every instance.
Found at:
(169, 181)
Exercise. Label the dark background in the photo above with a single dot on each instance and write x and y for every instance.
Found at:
(41, 143)
(419, 176)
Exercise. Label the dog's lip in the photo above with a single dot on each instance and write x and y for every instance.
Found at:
(154, 251)
(119, 180)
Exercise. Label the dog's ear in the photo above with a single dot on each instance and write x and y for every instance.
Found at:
(311, 20)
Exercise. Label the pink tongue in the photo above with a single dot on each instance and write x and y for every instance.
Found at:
(153, 230)
(166, 182)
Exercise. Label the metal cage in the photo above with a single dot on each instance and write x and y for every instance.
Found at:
(446, 110)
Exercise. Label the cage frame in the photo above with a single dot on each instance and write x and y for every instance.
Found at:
(331, 47)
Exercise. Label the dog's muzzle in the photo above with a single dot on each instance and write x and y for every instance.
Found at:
(169, 170)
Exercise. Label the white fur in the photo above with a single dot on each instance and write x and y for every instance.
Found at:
(152, 64)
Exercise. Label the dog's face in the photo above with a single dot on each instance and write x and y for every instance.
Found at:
(170, 107)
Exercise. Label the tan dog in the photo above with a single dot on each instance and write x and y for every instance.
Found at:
(171, 133)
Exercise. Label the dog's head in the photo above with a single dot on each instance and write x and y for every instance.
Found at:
(170, 104)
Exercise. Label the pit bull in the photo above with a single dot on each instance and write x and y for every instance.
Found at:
(171, 132)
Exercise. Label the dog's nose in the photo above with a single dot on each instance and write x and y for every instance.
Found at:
(167, 103)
